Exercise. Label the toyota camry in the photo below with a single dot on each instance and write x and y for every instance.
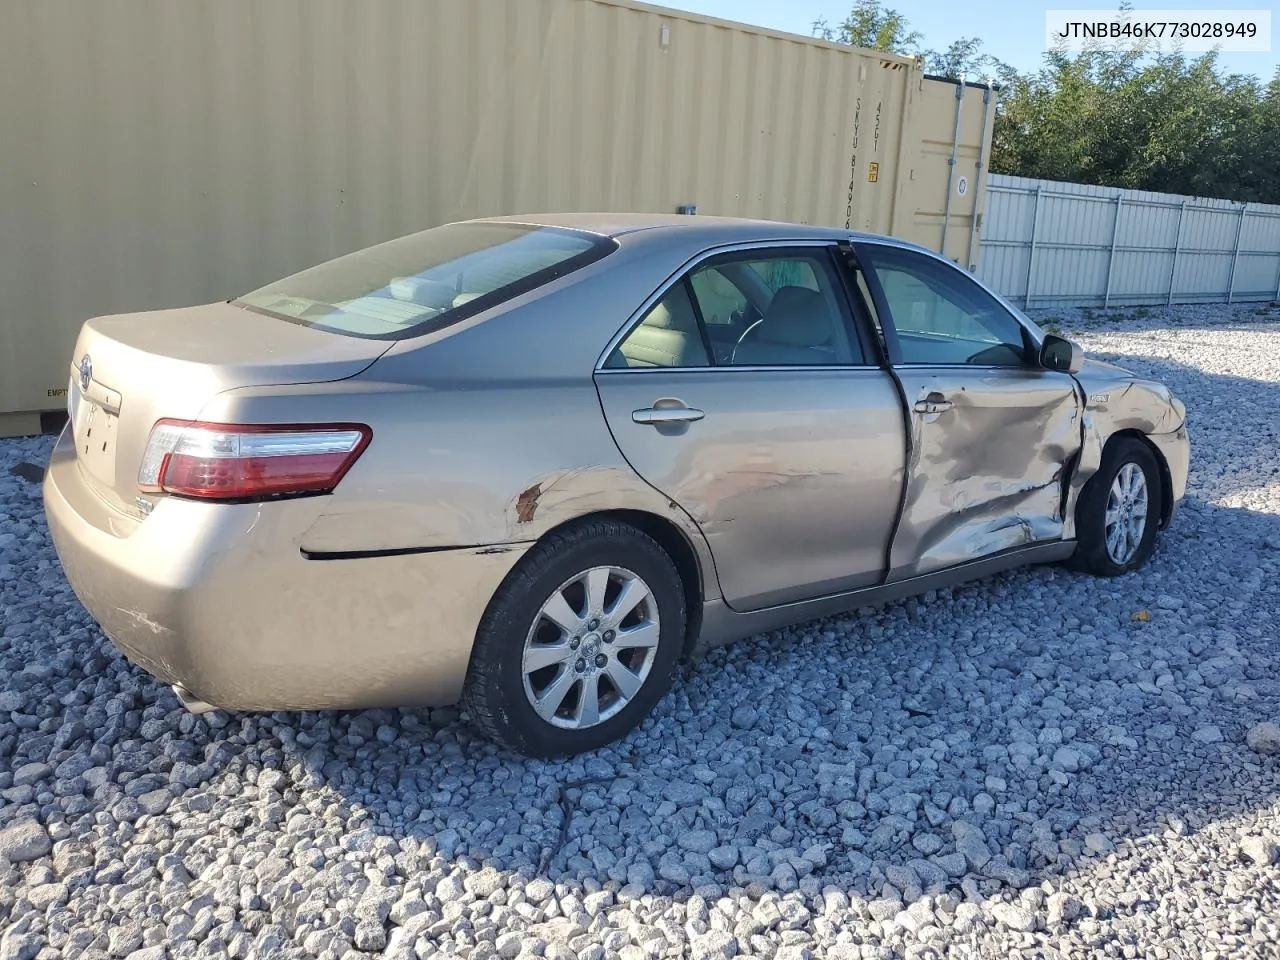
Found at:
(530, 463)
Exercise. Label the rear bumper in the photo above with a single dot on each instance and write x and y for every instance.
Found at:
(1175, 448)
(218, 598)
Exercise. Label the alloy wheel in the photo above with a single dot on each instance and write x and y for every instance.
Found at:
(591, 647)
(1126, 516)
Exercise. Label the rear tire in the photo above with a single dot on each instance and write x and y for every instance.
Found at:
(558, 666)
(1118, 515)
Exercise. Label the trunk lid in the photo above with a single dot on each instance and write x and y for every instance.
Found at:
(130, 370)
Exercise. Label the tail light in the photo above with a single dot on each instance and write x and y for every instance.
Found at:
(220, 461)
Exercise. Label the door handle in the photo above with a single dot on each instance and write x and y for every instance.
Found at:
(659, 415)
(933, 403)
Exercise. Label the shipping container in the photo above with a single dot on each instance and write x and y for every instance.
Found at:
(159, 154)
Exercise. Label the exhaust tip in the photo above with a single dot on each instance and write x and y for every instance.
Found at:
(192, 704)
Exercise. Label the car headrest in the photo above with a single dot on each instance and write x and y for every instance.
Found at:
(673, 312)
(426, 293)
(797, 317)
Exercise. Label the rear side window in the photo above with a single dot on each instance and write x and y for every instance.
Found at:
(428, 280)
(668, 336)
(790, 311)
(722, 303)
(745, 310)
(777, 274)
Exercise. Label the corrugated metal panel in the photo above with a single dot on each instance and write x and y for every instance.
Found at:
(1100, 245)
(160, 153)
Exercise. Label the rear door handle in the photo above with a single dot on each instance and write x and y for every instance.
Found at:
(933, 403)
(661, 415)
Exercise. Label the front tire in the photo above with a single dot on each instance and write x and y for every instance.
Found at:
(1118, 515)
(578, 643)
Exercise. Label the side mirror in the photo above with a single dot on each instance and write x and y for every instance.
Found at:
(1059, 353)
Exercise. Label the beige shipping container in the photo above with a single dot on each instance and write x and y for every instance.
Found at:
(159, 153)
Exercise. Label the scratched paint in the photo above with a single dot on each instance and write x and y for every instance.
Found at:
(527, 504)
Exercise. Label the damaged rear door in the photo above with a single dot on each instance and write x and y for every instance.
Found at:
(993, 434)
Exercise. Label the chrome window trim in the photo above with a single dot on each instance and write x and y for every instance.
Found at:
(785, 368)
(1022, 368)
(689, 265)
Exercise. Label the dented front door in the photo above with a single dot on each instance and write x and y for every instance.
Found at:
(990, 454)
(993, 434)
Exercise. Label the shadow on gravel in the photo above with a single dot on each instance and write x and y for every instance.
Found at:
(996, 735)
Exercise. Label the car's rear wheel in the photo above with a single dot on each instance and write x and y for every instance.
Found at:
(579, 642)
(1118, 515)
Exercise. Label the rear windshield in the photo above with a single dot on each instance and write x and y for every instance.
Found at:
(425, 281)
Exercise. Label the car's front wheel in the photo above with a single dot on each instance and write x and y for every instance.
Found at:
(1118, 515)
(579, 642)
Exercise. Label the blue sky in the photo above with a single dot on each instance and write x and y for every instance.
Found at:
(1012, 30)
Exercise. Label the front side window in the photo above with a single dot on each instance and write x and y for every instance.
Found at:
(425, 281)
(941, 316)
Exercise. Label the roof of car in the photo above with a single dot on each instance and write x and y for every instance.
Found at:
(620, 224)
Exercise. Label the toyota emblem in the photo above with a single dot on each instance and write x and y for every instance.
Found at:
(86, 372)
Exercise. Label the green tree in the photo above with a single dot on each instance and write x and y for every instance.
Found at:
(964, 59)
(1261, 173)
(1152, 122)
(873, 27)
(1133, 118)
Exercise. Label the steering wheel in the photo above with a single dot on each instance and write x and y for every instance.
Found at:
(733, 357)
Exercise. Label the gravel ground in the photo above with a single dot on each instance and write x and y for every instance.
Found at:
(1040, 764)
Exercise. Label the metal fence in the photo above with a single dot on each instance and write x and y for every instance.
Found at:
(1046, 243)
